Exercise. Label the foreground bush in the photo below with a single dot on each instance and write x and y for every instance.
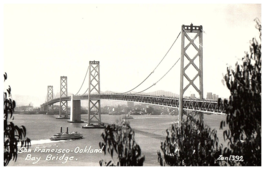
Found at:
(119, 142)
(244, 110)
(12, 133)
(193, 144)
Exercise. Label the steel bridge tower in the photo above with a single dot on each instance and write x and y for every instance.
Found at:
(94, 107)
(197, 34)
(49, 93)
(49, 96)
(63, 93)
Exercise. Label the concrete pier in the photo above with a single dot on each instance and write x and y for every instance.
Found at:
(75, 111)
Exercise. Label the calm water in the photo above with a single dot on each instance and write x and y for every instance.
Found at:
(150, 131)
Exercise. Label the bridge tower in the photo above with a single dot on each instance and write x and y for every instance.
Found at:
(49, 93)
(48, 98)
(94, 107)
(196, 31)
(63, 93)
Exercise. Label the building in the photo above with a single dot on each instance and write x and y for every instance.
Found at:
(130, 104)
(24, 108)
(192, 96)
(209, 96)
(215, 97)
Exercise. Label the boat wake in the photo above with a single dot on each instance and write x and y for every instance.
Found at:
(44, 141)
(169, 123)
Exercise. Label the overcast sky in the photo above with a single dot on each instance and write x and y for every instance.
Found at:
(44, 42)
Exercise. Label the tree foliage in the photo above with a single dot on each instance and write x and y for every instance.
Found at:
(244, 110)
(13, 134)
(120, 141)
(193, 144)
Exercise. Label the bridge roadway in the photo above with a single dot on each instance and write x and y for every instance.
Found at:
(188, 104)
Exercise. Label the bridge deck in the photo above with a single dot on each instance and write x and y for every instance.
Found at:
(190, 104)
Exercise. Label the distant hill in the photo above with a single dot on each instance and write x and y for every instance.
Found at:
(84, 103)
(57, 95)
(162, 93)
(158, 92)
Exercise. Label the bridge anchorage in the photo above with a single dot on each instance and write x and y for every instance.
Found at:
(94, 106)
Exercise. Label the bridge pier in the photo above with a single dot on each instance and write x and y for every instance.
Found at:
(75, 111)
(50, 108)
(42, 108)
(47, 108)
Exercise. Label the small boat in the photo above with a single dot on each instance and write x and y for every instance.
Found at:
(66, 135)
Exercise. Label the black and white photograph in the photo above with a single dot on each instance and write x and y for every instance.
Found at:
(132, 83)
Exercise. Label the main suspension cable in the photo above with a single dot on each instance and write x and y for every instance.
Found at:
(160, 78)
(85, 91)
(155, 67)
(83, 80)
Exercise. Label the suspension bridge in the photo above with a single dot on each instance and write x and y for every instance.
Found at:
(94, 95)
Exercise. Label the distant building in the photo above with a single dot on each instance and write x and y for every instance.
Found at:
(144, 105)
(56, 107)
(24, 108)
(192, 96)
(137, 112)
(139, 106)
(215, 97)
(105, 110)
(130, 104)
(209, 96)
(155, 107)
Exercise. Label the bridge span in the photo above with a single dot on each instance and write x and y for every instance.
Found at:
(188, 104)
(194, 36)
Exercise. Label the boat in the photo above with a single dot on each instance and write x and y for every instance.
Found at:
(66, 135)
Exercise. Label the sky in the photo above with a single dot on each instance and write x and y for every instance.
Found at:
(42, 42)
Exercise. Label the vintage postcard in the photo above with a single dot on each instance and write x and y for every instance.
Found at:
(132, 84)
